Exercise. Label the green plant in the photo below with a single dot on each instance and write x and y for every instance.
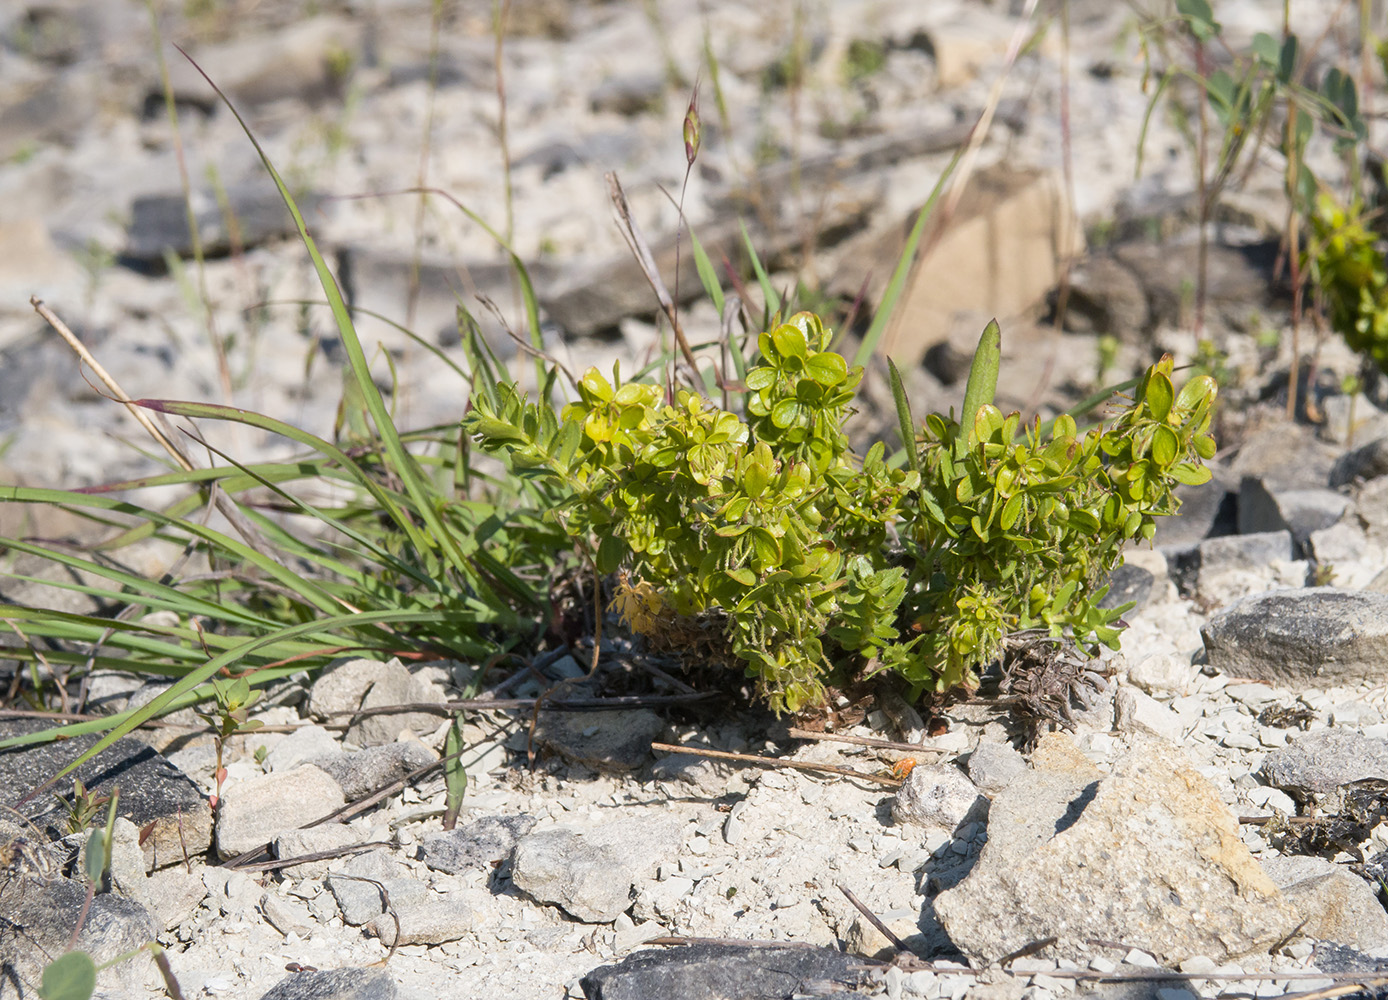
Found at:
(83, 808)
(1349, 270)
(1260, 93)
(864, 58)
(233, 699)
(825, 566)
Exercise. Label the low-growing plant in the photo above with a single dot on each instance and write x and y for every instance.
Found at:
(1349, 270)
(824, 565)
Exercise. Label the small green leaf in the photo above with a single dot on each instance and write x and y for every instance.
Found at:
(70, 976)
(762, 377)
(1010, 512)
(1159, 395)
(95, 861)
(743, 576)
(785, 413)
(597, 386)
(827, 368)
(1190, 473)
(1165, 446)
(983, 373)
(789, 341)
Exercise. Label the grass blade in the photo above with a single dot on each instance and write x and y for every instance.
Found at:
(773, 301)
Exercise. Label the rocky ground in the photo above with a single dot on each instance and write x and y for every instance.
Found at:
(1206, 819)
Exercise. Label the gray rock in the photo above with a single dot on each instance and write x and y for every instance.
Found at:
(476, 845)
(309, 743)
(1205, 510)
(1371, 505)
(1128, 583)
(1286, 457)
(1235, 552)
(364, 772)
(938, 795)
(287, 914)
(335, 984)
(1352, 419)
(419, 915)
(629, 94)
(159, 222)
(255, 811)
(308, 60)
(1289, 637)
(1343, 542)
(312, 840)
(40, 913)
(349, 685)
(590, 872)
(172, 895)
(353, 887)
(605, 741)
(1302, 512)
(151, 789)
(1161, 672)
(1337, 906)
(993, 765)
(1107, 297)
(1319, 764)
(1148, 855)
(727, 972)
(1368, 461)
(1138, 712)
(375, 891)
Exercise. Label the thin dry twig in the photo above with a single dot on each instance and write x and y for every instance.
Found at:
(336, 852)
(87, 359)
(873, 918)
(864, 741)
(775, 763)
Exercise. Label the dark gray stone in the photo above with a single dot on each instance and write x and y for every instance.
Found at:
(618, 740)
(40, 912)
(726, 972)
(151, 789)
(159, 222)
(1301, 512)
(1365, 462)
(1285, 456)
(335, 984)
(475, 845)
(1234, 552)
(1128, 583)
(364, 772)
(1205, 511)
(1288, 637)
(629, 94)
(1319, 764)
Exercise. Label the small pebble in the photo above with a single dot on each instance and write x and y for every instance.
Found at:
(1141, 959)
